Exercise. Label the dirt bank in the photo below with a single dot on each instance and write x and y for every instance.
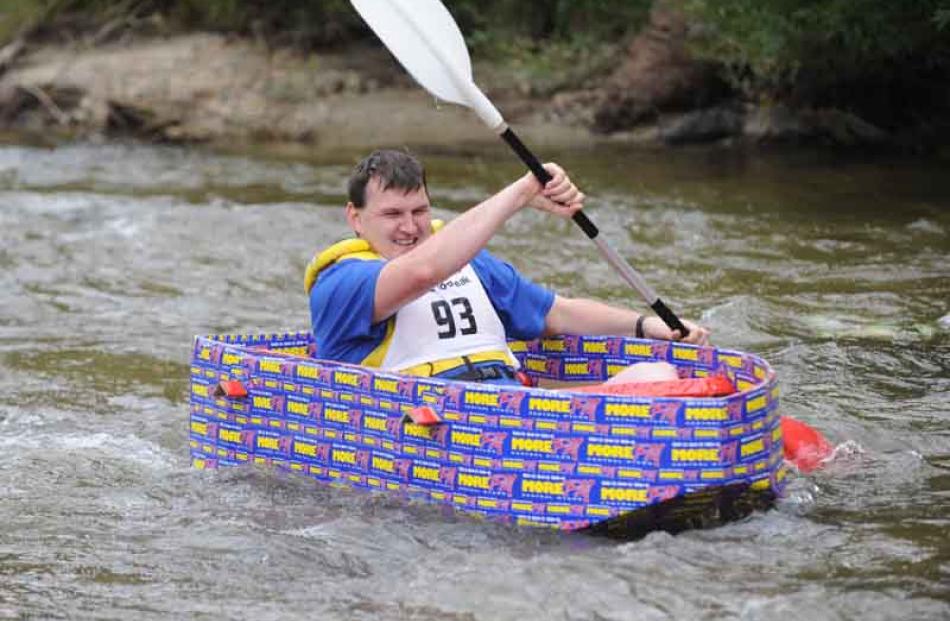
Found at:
(207, 87)
(204, 87)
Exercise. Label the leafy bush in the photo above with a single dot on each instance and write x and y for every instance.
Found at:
(325, 22)
(299, 23)
(549, 20)
(549, 45)
(885, 59)
(546, 44)
(820, 51)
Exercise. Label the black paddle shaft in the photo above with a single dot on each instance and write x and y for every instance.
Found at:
(590, 229)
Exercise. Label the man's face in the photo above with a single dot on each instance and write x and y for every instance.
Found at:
(392, 221)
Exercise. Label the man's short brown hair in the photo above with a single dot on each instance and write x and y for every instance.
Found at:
(393, 169)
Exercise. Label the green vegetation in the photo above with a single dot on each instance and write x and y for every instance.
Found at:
(304, 23)
(17, 16)
(873, 56)
(503, 25)
(490, 24)
(544, 45)
(886, 60)
(549, 45)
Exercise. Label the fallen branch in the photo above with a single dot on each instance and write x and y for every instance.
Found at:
(125, 15)
(10, 52)
(48, 104)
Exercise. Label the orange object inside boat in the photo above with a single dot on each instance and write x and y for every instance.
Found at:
(712, 386)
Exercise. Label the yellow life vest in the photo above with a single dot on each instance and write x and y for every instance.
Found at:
(354, 249)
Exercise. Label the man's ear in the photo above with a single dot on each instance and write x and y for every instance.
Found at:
(353, 218)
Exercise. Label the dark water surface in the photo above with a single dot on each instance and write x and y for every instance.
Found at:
(113, 256)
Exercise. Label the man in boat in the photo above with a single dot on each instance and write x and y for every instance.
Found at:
(413, 296)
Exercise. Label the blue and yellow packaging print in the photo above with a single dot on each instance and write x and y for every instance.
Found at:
(272, 443)
(518, 455)
(235, 436)
(701, 454)
(203, 428)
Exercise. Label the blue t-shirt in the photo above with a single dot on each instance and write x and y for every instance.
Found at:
(341, 305)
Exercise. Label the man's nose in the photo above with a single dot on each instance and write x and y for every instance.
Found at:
(406, 223)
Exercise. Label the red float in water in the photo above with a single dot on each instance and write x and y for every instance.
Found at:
(805, 447)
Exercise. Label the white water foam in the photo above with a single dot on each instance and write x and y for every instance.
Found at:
(128, 447)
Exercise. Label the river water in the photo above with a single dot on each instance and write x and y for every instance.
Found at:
(114, 255)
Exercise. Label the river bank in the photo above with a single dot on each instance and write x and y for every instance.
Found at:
(206, 87)
(227, 90)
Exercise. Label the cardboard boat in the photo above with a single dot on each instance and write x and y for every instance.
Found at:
(619, 465)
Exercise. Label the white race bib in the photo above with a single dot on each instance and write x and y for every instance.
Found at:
(454, 318)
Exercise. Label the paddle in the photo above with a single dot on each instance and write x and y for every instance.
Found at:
(424, 38)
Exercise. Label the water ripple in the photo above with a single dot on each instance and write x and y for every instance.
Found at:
(114, 256)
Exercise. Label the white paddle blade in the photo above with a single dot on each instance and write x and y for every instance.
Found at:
(425, 39)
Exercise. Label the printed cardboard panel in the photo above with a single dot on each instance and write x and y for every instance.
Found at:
(523, 456)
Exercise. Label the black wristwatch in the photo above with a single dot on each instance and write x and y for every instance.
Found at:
(638, 331)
